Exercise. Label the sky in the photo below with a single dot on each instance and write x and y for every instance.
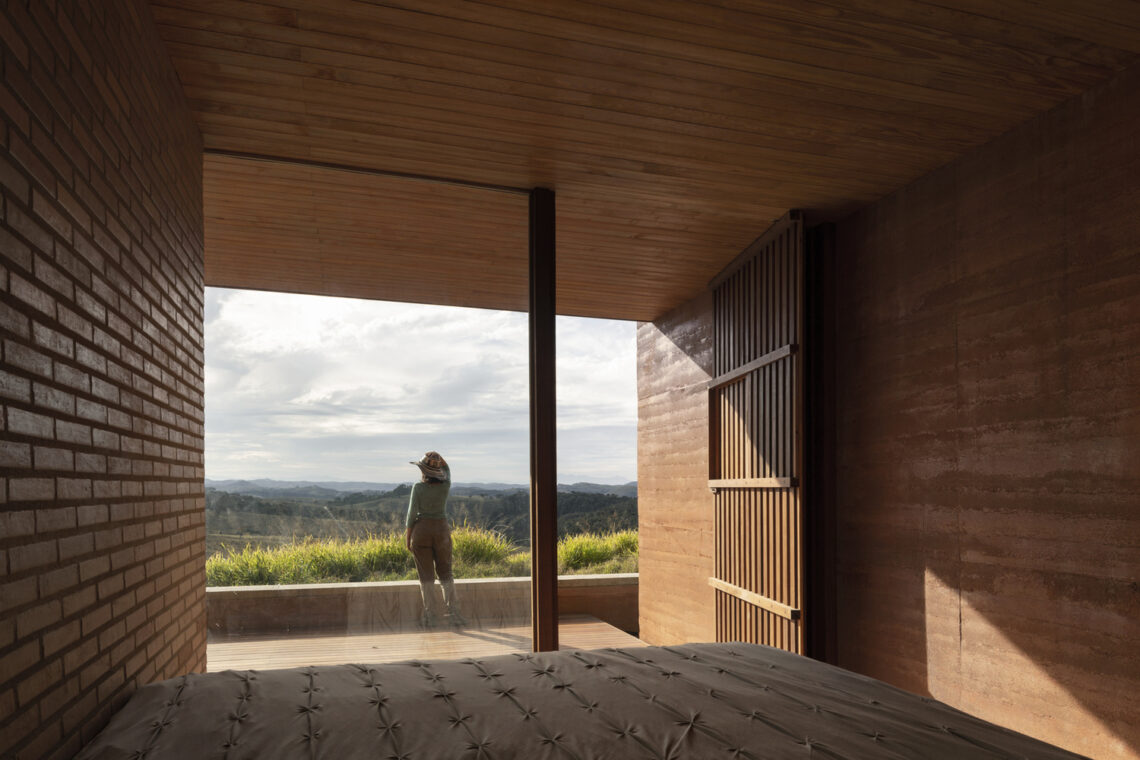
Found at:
(340, 389)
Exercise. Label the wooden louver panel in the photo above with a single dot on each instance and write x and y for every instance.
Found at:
(756, 429)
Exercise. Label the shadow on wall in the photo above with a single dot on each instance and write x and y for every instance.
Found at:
(988, 430)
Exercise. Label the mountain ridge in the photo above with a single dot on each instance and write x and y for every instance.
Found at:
(314, 489)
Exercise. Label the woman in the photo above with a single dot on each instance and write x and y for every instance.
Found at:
(428, 537)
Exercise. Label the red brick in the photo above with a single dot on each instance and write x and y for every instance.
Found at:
(51, 702)
(61, 638)
(45, 737)
(39, 238)
(144, 285)
(122, 558)
(91, 410)
(47, 147)
(53, 340)
(12, 179)
(109, 538)
(80, 712)
(121, 512)
(96, 619)
(48, 212)
(35, 167)
(29, 423)
(27, 358)
(123, 604)
(21, 658)
(16, 523)
(14, 322)
(75, 323)
(74, 209)
(14, 455)
(90, 463)
(55, 581)
(72, 377)
(16, 251)
(107, 489)
(96, 311)
(111, 635)
(108, 687)
(7, 704)
(92, 514)
(59, 518)
(73, 488)
(78, 601)
(94, 567)
(48, 398)
(76, 546)
(48, 458)
(31, 489)
(27, 556)
(105, 439)
(14, 42)
(15, 387)
(39, 681)
(18, 593)
(93, 361)
(37, 618)
(121, 420)
(95, 670)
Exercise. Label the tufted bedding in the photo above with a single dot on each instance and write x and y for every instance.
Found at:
(691, 701)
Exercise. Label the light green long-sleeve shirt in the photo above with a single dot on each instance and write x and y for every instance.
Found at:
(429, 500)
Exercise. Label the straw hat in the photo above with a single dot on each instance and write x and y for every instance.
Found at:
(431, 465)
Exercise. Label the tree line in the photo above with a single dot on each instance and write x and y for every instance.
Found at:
(234, 518)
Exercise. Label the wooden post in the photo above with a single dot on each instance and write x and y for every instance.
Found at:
(543, 438)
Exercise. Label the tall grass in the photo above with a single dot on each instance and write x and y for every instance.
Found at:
(476, 552)
(595, 553)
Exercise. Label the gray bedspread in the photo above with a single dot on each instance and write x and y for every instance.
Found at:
(692, 701)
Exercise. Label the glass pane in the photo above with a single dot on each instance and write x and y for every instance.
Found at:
(597, 474)
(317, 409)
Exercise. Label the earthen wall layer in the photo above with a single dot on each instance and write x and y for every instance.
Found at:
(102, 585)
(988, 343)
(675, 506)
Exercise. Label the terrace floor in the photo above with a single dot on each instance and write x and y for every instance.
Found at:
(264, 652)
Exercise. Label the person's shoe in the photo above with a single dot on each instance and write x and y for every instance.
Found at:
(428, 620)
(457, 620)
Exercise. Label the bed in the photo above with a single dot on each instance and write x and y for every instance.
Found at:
(690, 701)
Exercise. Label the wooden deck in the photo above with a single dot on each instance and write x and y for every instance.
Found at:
(244, 652)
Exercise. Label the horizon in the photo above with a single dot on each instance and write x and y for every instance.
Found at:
(315, 388)
(307, 482)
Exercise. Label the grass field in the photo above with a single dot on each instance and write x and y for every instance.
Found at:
(476, 552)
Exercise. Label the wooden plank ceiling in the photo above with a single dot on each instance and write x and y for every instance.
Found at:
(673, 132)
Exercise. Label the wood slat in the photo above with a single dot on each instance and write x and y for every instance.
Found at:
(721, 483)
(756, 600)
(754, 459)
(746, 369)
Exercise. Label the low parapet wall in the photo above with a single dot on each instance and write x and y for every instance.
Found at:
(395, 605)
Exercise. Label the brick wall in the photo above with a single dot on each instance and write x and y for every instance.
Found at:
(102, 581)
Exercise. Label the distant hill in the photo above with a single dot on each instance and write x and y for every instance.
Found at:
(627, 489)
(276, 512)
(268, 488)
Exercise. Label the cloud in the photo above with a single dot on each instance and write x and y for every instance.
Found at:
(306, 387)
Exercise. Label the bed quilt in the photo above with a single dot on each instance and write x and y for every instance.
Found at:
(692, 701)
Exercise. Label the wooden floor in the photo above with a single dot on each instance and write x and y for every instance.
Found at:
(267, 652)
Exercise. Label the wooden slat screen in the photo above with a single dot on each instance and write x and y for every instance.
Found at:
(755, 452)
